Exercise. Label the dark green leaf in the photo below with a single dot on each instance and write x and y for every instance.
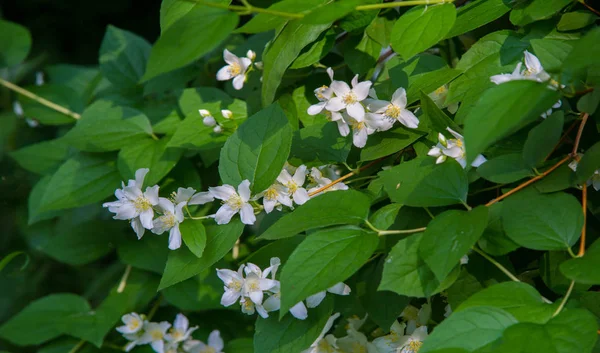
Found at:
(589, 102)
(590, 162)
(15, 43)
(361, 53)
(542, 139)
(384, 217)
(330, 12)
(584, 269)
(42, 157)
(263, 22)
(58, 94)
(552, 53)
(536, 10)
(585, 52)
(319, 145)
(505, 169)
(148, 153)
(476, 14)
(316, 51)
(388, 142)
(571, 21)
(494, 240)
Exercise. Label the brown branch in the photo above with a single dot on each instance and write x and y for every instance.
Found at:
(562, 139)
(344, 177)
(579, 132)
(584, 205)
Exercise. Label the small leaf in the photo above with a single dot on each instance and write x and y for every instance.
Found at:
(194, 236)
(331, 208)
(505, 169)
(584, 53)
(536, 10)
(389, 142)
(384, 217)
(264, 22)
(319, 145)
(322, 260)
(15, 43)
(542, 139)
(494, 240)
(316, 51)
(589, 102)
(151, 154)
(476, 14)
(571, 21)
(590, 162)
(42, 157)
(584, 269)
(330, 12)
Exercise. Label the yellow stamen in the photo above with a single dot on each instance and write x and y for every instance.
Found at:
(414, 346)
(235, 202)
(349, 98)
(234, 69)
(142, 204)
(392, 111)
(271, 194)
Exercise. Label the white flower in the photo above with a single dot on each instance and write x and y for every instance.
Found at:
(412, 343)
(361, 129)
(549, 111)
(236, 69)
(218, 129)
(234, 283)
(133, 323)
(295, 184)
(534, 71)
(154, 333)
(324, 344)
(356, 341)
(209, 121)
(453, 148)
(233, 202)
(323, 94)
(134, 205)
(317, 178)
(390, 343)
(340, 289)
(594, 180)
(249, 308)
(416, 318)
(274, 195)
(181, 330)
(215, 344)
(393, 111)
(227, 114)
(349, 98)
(515, 75)
(256, 283)
(439, 98)
(172, 216)
(39, 78)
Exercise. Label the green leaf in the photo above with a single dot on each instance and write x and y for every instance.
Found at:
(330, 12)
(476, 14)
(8, 258)
(202, 292)
(81, 79)
(494, 240)
(571, 21)
(172, 10)
(385, 217)
(257, 150)
(505, 169)
(148, 153)
(361, 53)
(180, 44)
(106, 127)
(316, 51)
(420, 28)
(183, 264)
(358, 20)
(584, 269)
(319, 145)
(290, 334)
(465, 286)
(331, 208)
(81, 180)
(34, 202)
(536, 10)
(58, 94)
(553, 277)
(469, 330)
(322, 260)
(501, 112)
(552, 53)
(589, 163)
(389, 142)
(449, 236)
(15, 43)
(537, 221)
(542, 139)
(434, 117)
(42, 157)
(263, 22)
(283, 51)
(194, 236)
(589, 102)
(584, 53)
(422, 183)
(149, 253)
(123, 57)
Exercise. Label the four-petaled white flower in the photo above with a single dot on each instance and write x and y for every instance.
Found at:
(236, 69)
(154, 333)
(356, 341)
(256, 282)
(413, 342)
(453, 148)
(323, 94)
(349, 98)
(133, 323)
(234, 284)
(215, 344)
(393, 111)
(135, 205)
(181, 330)
(534, 71)
(233, 202)
(172, 216)
(274, 195)
(390, 343)
(295, 183)
(362, 128)
(317, 178)
(439, 98)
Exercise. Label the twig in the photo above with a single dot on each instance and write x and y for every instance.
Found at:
(579, 132)
(497, 264)
(344, 177)
(77, 347)
(123, 281)
(584, 206)
(565, 299)
(39, 99)
(381, 232)
(562, 139)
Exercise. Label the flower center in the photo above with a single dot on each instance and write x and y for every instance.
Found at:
(235, 285)
(234, 69)
(168, 219)
(292, 186)
(142, 204)
(133, 324)
(325, 347)
(457, 142)
(414, 346)
(358, 348)
(177, 335)
(441, 90)
(248, 305)
(235, 202)
(392, 111)
(253, 286)
(349, 98)
(156, 335)
(271, 194)
(357, 125)
(319, 93)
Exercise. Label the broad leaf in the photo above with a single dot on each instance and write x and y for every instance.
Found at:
(542, 139)
(389, 142)
(536, 10)
(194, 236)
(319, 145)
(476, 14)
(589, 164)
(15, 43)
(42, 157)
(584, 269)
(505, 169)
(151, 154)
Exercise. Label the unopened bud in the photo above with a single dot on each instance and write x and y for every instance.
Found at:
(209, 121)
(227, 114)
(204, 113)
(218, 129)
(442, 140)
(39, 78)
(17, 108)
(251, 55)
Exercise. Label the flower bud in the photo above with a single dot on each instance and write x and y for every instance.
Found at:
(218, 129)
(209, 121)
(227, 114)
(251, 55)
(259, 65)
(441, 159)
(204, 113)
(442, 140)
(17, 108)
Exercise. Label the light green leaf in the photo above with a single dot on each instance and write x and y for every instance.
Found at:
(283, 51)
(123, 57)
(433, 117)
(571, 21)
(15, 43)
(81, 180)
(330, 12)
(331, 208)
(361, 53)
(385, 217)
(542, 139)
(538, 221)
(289, 334)
(505, 169)
(181, 45)
(449, 236)
(257, 150)
(422, 183)
(501, 112)
(584, 269)
(536, 10)
(322, 260)
(81, 79)
(476, 14)
(182, 264)
(553, 277)
(584, 53)
(389, 142)
(151, 154)
(420, 28)
(316, 51)
(58, 94)
(469, 330)
(194, 236)
(34, 202)
(589, 163)
(263, 22)
(319, 145)
(552, 53)
(42, 157)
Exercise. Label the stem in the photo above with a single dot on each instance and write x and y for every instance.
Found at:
(562, 139)
(529, 182)
(400, 4)
(192, 217)
(469, 208)
(344, 177)
(39, 99)
(584, 206)
(497, 264)
(429, 212)
(570, 251)
(123, 281)
(579, 132)
(564, 301)
(154, 307)
(77, 347)
(386, 232)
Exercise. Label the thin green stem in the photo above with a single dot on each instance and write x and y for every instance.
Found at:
(154, 307)
(381, 232)
(192, 217)
(123, 281)
(429, 212)
(570, 251)
(565, 299)
(77, 347)
(400, 4)
(154, 137)
(469, 208)
(497, 264)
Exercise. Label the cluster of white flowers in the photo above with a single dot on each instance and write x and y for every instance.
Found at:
(594, 180)
(166, 338)
(209, 120)
(359, 109)
(249, 284)
(453, 148)
(237, 68)
(534, 71)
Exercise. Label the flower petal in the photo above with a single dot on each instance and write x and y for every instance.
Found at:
(362, 90)
(230, 58)
(223, 192)
(316, 108)
(244, 190)
(238, 81)
(201, 198)
(230, 297)
(224, 74)
(215, 340)
(224, 214)
(356, 110)
(301, 196)
(247, 214)
(408, 119)
(299, 311)
(335, 104)
(314, 300)
(175, 238)
(146, 218)
(340, 88)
